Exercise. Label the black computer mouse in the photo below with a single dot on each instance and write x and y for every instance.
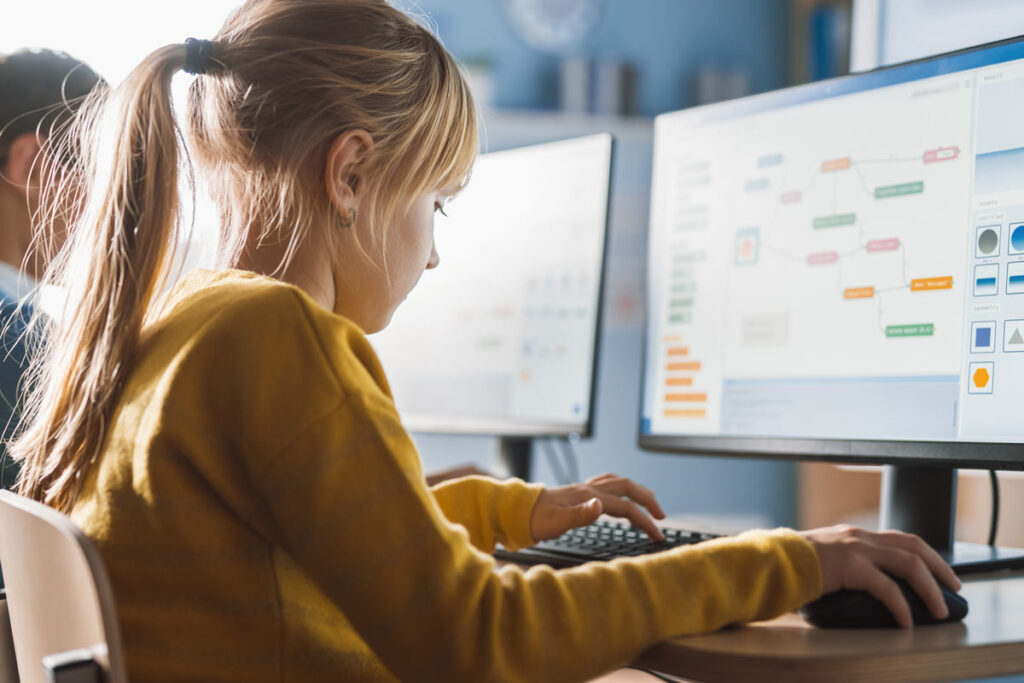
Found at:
(859, 609)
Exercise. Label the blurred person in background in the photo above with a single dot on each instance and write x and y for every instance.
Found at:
(40, 90)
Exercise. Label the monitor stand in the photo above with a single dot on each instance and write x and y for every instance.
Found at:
(515, 454)
(922, 500)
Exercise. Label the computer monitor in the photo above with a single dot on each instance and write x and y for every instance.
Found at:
(837, 273)
(502, 337)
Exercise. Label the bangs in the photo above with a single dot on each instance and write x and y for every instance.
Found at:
(458, 143)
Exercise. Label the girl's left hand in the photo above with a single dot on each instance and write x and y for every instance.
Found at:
(566, 507)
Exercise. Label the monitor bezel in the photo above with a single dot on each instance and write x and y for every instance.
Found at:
(498, 426)
(968, 454)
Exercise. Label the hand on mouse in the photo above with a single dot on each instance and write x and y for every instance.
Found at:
(566, 507)
(859, 560)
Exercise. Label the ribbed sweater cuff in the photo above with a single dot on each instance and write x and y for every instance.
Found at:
(515, 511)
(805, 562)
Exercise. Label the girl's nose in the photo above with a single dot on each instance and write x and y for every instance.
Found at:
(434, 258)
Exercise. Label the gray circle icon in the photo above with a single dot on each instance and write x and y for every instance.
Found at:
(988, 241)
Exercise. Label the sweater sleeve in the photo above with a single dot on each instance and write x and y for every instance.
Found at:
(491, 511)
(346, 499)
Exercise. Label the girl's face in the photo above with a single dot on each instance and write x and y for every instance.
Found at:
(411, 248)
(369, 294)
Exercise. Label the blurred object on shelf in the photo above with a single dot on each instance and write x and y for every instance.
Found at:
(830, 41)
(606, 87)
(717, 82)
(614, 91)
(820, 42)
(574, 84)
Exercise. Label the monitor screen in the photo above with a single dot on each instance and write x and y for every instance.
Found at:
(501, 338)
(838, 269)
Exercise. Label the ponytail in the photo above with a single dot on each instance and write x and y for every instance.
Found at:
(114, 265)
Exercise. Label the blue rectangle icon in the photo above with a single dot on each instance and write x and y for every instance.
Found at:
(983, 337)
(986, 280)
(1015, 278)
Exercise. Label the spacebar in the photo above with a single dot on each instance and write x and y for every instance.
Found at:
(569, 552)
(535, 554)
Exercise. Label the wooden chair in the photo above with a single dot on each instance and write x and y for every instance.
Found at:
(62, 612)
(8, 664)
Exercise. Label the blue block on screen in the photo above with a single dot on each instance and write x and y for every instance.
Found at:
(983, 337)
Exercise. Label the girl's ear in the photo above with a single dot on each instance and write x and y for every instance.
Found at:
(346, 161)
(21, 169)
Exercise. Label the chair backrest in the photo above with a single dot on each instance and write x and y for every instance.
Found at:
(8, 664)
(58, 592)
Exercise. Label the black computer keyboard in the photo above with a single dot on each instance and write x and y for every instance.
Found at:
(602, 540)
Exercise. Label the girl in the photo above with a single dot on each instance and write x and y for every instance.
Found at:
(233, 449)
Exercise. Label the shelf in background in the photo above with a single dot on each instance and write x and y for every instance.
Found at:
(509, 128)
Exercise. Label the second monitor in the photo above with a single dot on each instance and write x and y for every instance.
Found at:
(501, 339)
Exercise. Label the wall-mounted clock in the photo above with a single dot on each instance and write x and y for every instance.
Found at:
(554, 25)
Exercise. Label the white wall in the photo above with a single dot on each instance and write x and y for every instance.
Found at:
(111, 36)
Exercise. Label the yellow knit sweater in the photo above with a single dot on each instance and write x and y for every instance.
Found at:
(263, 516)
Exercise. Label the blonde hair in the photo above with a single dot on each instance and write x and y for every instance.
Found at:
(286, 78)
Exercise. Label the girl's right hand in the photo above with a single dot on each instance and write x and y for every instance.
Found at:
(860, 560)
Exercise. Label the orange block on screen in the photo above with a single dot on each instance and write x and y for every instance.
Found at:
(835, 165)
(686, 398)
(859, 292)
(697, 413)
(924, 284)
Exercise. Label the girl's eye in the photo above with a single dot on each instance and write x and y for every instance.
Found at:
(438, 206)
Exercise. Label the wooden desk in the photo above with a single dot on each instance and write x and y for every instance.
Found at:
(989, 642)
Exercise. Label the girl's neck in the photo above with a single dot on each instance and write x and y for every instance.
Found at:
(308, 271)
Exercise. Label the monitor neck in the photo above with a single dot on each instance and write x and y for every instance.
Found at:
(514, 452)
(922, 501)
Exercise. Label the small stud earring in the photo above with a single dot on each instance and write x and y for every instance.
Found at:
(350, 220)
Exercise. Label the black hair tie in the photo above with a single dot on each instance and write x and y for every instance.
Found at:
(198, 56)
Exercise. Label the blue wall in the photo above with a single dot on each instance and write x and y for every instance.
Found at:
(667, 40)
